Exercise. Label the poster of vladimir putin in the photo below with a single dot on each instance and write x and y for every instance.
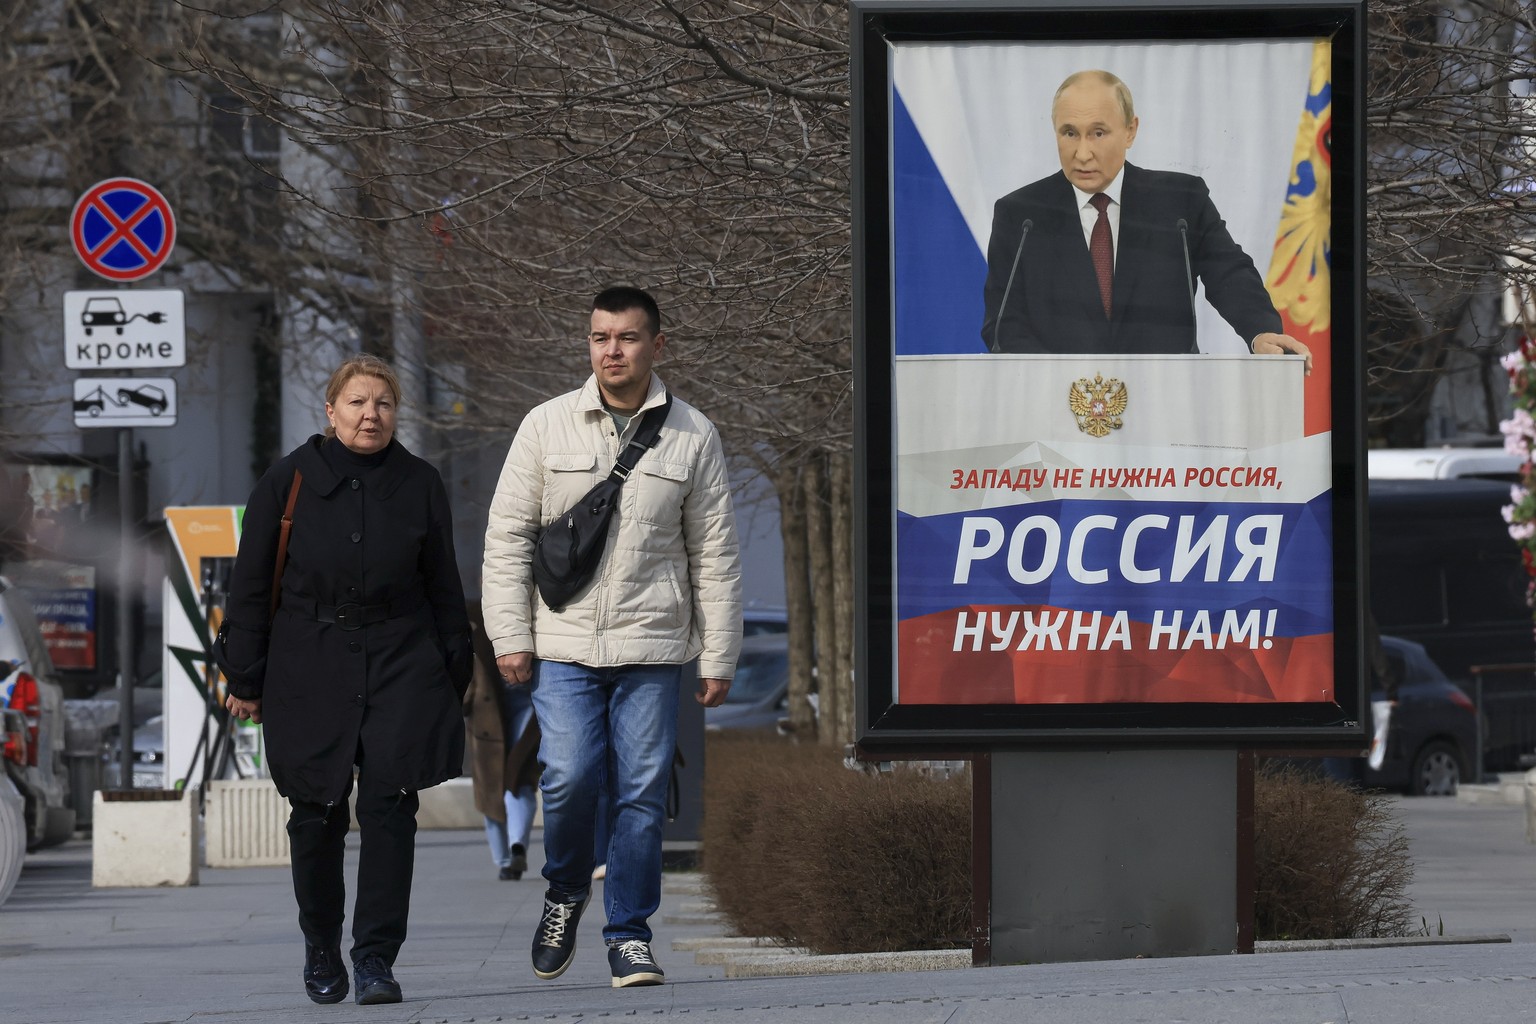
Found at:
(1110, 334)
(1147, 236)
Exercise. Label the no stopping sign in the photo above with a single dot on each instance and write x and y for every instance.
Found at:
(122, 229)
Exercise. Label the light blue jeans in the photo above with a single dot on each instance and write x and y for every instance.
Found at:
(521, 807)
(625, 718)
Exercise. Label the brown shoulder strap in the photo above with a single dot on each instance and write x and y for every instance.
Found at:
(282, 542)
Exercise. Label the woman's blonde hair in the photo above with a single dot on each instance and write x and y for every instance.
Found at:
(360, 365)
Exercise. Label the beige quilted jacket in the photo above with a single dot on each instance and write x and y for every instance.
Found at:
(669, 585)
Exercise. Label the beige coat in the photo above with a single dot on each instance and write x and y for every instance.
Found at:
(492, 761)
(669, 585)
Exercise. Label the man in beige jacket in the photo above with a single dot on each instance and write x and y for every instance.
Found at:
(606, 667)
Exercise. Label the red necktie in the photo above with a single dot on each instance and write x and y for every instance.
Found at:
(1101, 247)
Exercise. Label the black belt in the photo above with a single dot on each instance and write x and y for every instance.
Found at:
(352, 615)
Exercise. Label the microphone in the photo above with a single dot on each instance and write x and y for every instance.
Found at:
(1002, 306)
(1189, 279)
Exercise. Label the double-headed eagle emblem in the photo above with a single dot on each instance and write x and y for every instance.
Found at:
(1097, 404)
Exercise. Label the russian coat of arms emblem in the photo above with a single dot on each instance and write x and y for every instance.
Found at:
(1097, 404)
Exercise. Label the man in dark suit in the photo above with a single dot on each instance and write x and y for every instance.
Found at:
(1093, 260)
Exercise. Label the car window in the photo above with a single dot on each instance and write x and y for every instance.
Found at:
(759, 674)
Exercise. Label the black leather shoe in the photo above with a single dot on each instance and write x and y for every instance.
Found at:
(325, 979)
(554, 944)
(519, 860)
(375, 981)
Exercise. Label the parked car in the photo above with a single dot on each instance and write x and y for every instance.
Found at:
(148, 737)
(32, 708)
(1444, 463)
(759, 694)
(1432, 733)
(755, 621)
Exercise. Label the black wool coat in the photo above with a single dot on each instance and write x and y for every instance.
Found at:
(380, 536)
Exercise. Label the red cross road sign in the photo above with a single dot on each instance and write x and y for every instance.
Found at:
(122, 229)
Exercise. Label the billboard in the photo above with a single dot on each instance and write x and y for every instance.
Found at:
(1107, 340)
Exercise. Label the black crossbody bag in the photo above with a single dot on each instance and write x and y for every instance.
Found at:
(566, 552)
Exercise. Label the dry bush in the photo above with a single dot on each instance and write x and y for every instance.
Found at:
(801, 849)
(1330, 862)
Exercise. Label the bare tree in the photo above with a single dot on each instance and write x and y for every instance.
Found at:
(1450, 212)
(500, 161)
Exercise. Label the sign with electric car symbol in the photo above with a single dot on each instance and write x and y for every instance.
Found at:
(125, 402)
(124, 330)
(122, 229)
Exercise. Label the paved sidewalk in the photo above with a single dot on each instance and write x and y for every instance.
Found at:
(228, 952)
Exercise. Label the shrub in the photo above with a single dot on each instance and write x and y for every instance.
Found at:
(1330, 862)
(801, 849)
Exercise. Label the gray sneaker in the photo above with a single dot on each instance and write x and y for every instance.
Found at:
(554, 944)
(632, 964)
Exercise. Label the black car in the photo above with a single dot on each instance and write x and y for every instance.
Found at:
(759, 694)
(147, 395)
(1432, 735)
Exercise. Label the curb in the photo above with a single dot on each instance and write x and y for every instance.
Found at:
(746, 957)
(1307, 945)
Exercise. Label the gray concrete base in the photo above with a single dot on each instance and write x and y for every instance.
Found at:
(1100, 855)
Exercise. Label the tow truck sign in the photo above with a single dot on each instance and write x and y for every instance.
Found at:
(125, 402)
(124, 330)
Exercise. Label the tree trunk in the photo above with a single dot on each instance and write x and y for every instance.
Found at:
(818, 522)
(841, 678)
(797, 599)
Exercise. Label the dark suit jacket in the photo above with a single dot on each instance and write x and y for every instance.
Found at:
(1054, 304)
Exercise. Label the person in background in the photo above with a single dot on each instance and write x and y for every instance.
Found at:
(503, 750)
(363, 663)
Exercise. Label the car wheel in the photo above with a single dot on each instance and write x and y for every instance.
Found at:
(13, 835)
(1437, 770)
(95, 410)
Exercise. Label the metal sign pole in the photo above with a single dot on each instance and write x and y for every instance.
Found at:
(125, 639)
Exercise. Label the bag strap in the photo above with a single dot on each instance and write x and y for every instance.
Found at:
(646, 437)
(282, 542)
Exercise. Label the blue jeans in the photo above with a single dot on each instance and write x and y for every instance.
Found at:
(624, 718)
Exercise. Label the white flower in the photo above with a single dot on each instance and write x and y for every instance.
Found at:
(1513, 362)
(1522, 531)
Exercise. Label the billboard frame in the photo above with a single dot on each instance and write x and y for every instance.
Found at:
(884, 725)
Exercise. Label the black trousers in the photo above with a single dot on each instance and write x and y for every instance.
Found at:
(317, 834)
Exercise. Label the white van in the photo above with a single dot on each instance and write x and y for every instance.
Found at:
(1442, 464)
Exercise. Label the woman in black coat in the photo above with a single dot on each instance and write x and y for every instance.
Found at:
(365, 663)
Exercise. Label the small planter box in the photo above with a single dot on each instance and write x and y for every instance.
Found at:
(144, 837)
(245, 824)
